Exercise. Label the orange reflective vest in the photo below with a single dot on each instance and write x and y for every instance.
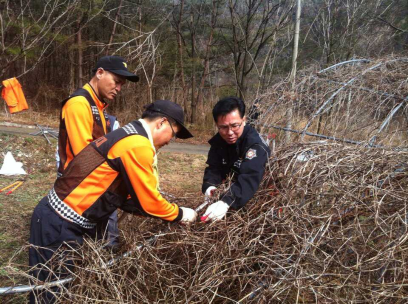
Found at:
(99, 179)
(14, 96)
(83, 119)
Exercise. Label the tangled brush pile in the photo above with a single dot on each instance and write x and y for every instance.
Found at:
(361, 100)
(329, 225)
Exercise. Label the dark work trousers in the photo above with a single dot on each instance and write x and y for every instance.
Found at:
(107, 231)
(48, 233)
(113, 230)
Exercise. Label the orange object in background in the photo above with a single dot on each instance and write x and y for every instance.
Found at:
(13, 95)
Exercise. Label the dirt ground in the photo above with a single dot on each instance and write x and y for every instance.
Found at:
(180, 175)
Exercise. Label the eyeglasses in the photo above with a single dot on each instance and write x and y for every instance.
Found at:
(174, 136)
(234, 127)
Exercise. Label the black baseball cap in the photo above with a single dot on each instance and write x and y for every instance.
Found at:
(116, 65)
(174, 111)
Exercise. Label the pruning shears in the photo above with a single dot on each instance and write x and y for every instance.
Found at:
(206, 202)
(202, 206)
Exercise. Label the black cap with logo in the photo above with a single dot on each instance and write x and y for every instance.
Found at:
(116, 65)
(172, 110)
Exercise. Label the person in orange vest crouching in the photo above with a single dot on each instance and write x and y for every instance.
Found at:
(98, 181)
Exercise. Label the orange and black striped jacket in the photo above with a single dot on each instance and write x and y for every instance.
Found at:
(100, 178)
(83, 119)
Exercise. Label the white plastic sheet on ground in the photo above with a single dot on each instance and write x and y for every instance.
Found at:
(305, 156)
(11, 167)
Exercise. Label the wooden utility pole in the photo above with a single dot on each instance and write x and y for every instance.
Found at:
(295, 43)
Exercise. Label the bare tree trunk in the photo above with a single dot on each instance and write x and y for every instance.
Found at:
(293, 72)
(151, 68)
(242, 84)
(114, 27)
(262, 78)
(200, 105)
(235, 46)
(180, 59)
(24, 35)
(79, 53)
(80, 58)
(296, 43)
(193, 80)
(72, 66)
(139, 11)
(3, 45)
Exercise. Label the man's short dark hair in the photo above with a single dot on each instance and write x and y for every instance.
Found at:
(227, 105)
(152, 115)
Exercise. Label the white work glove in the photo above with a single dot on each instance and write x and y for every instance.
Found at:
(215, 212)
(189, 216)
(209, 193)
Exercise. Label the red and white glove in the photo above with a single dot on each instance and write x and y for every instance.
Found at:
(215, 212)
(209, 194)
(189, 216)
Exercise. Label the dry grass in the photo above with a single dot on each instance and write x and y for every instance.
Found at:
(30, 117)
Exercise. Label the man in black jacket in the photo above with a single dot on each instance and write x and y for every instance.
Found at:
(236, 151)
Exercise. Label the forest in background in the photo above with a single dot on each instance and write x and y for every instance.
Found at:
(192, 52)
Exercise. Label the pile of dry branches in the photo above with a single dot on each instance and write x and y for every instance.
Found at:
(329, 225)
(363, 100)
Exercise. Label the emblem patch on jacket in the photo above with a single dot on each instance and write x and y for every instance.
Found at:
(251, 153)
(238, 163)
